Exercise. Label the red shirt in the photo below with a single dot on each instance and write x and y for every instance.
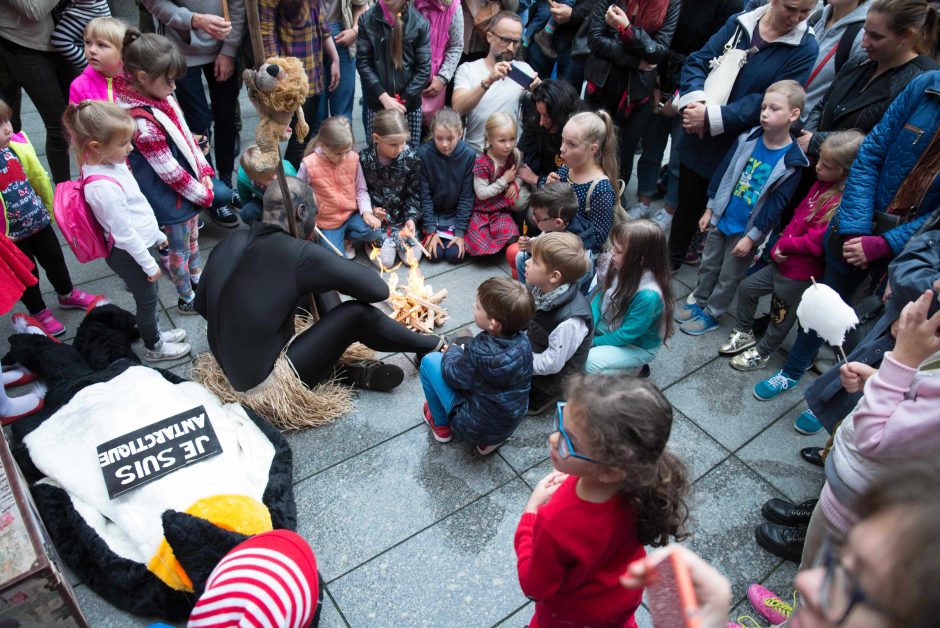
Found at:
(570, 557)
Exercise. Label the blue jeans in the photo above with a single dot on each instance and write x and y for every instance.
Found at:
(200, 116)
(354, 228)
(658, 132)
(844, 279)
(611, 359)
(339, 102)
(251, 212)
(441, 397)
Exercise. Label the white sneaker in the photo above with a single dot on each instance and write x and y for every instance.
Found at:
(640, 210)
(173, 335)
(386, 256)
(166, 351)
(663, 219)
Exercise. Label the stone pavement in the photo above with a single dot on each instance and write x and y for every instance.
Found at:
(411, 532)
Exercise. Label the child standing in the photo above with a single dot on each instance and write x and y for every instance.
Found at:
(67, 37)
(614, 489)
(101, 132)
(169, 166)
(560, 331)
(393, 172)
(749, 191)
(104, 39)
(589, 148)
(480, 392)
(797, 258)
(446, 187)
(251, 191)
(331, 167)
(26, 196)
(498, 190)
(632, 303)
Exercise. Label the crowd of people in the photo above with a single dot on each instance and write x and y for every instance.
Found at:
(804, 146)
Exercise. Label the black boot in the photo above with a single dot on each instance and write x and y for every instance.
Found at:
(812, 455)
(781, 540)
(370, 375)
(786, 513)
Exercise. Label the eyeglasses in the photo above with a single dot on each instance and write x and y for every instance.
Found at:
(508, 40)
(565, 448)
(841, 591)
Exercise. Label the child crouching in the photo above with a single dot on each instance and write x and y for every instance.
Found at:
(480, 392)
(560, 330)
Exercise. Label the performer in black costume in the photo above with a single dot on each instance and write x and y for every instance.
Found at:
(253, 282)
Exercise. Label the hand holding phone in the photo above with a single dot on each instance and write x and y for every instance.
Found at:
(521, 76)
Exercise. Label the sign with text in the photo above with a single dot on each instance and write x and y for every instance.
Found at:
(159, 449)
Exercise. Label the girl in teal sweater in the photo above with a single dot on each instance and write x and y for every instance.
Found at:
(632, 301)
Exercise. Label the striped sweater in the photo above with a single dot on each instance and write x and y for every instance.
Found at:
(68, 37)
(152, 142)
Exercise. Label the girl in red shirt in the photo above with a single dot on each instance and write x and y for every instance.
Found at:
(614, 490)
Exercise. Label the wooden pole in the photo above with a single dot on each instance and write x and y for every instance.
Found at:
(225, 15)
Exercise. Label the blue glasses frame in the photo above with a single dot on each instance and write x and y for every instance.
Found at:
(559, 426)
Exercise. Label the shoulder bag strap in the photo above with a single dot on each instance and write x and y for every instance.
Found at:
(587, 199)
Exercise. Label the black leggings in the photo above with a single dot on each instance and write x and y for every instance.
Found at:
(45, 247)
(693, 195)
(295, 148)
(314, 352)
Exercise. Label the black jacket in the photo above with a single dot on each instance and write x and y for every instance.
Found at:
(374, 57)
(571, 304)
(845, 106)
(613, 55)
(698, 21)
(580, 12)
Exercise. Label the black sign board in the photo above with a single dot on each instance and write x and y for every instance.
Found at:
(161, 448)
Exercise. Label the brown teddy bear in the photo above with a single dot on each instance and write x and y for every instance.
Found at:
(277, 90)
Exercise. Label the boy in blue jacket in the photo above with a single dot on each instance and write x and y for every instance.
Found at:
(480, 392)
(746, 197)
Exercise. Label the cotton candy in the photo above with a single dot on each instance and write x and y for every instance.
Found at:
(823, 311)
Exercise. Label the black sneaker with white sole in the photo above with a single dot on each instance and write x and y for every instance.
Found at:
(186, 308)
(223, 216)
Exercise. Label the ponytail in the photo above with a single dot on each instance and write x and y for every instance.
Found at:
(927, 39)
(96, 121)
(914, 15)
(607, 152)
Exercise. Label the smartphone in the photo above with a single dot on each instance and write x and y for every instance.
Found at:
(521, 76)
(671, 597)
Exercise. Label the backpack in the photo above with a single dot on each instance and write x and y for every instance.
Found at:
(77, 222)
(619, 212)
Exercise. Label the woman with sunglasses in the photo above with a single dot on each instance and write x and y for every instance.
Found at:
(614, 490)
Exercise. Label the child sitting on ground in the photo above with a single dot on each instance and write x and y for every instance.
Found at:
(446, 187)
(797, 258)
(26, 197)
(632, 302)
(554, 208)
(393, 171)
(251, 191)
(498, 190)
(104, 40)
(102, 132)
(331, 167)
(615, 488)
(479, 392)
(560, 331)
(746, 197)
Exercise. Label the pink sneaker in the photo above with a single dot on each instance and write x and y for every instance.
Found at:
(441, 433)
(26, 324)
(78, 300)
(768, 604)
(49, 324)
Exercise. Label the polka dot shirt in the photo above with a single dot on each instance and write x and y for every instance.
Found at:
(601, 215)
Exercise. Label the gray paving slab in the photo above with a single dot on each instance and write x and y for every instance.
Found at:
(330, 616)
(683, 354)
(529, 443)
(101, 614)
(699, 451)
(520, 618)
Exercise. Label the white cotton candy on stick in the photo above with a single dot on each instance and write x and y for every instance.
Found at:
(823, 311)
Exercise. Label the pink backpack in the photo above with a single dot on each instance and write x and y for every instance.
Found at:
(77, 222)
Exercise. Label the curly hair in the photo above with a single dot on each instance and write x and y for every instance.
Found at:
(628, 422)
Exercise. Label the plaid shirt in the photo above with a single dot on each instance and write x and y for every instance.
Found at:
(301, 38)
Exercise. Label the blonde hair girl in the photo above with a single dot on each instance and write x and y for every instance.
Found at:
(836, 156)
(331, 167)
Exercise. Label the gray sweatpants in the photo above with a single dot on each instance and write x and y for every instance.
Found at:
(144, 292)
(719, 273)
(786, 294)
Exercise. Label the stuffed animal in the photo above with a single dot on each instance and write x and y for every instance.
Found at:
(277, 90)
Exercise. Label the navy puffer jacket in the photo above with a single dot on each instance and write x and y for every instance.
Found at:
(492, 376)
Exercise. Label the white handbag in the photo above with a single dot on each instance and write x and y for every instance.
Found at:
(724, 71)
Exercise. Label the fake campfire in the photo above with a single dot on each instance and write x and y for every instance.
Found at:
(414, 304)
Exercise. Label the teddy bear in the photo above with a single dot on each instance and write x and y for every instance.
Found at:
(278, 90)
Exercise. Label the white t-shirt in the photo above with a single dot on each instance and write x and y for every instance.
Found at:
(503, 95)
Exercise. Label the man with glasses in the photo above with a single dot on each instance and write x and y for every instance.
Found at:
(481, 88)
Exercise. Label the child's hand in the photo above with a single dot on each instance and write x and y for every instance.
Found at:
(918, 335)
(512, 192)
(705, 220)
(408, 230)
(510, 175)
(523, 243)
(379, 213)
(552, 177)
(544, 490)
(854, 375)
(371, 221)
(207, 182)
(152, 278)
(459, 243)
(431, 243)
(778, 257)
(743, 247)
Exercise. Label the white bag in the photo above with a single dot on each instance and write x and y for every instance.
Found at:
(724, 71)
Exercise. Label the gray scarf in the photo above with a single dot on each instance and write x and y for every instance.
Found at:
(545, 301)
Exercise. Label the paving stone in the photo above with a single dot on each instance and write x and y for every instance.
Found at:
(330, 616)
(775, 454)
(520, 618)
(369, 503)
(683, 354)
(643, 617)
(468, 557)
(536, 473)
(79, 273)
(529, 443)
(101, 614)
(694, 447)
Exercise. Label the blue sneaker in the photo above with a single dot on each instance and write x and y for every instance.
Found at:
(773, 386)
(687, 312)
(700, 324)
(807, 423)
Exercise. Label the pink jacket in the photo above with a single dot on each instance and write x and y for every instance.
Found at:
(91, 85)
(803, 241)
